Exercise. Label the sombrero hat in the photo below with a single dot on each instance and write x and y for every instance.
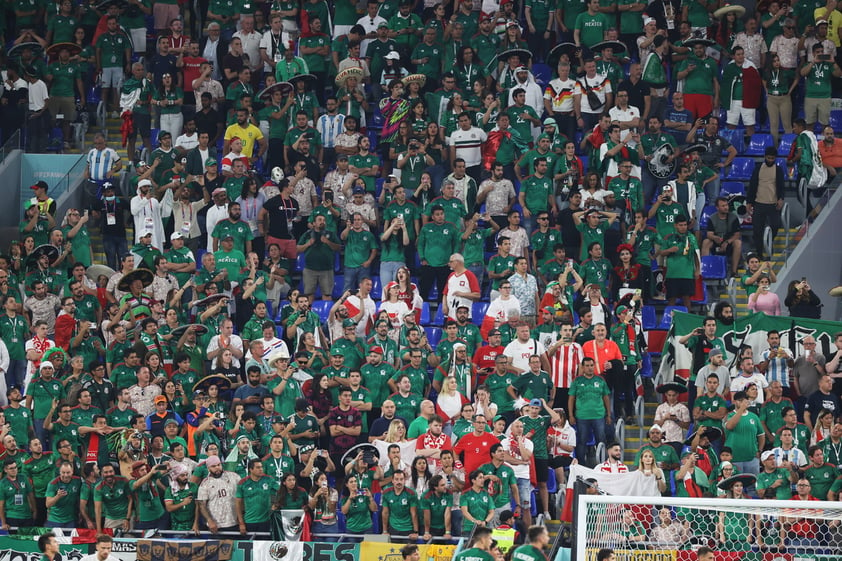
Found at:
(712, 433)
(53, 50)
(522, 53)
(727, 9)
(617, 46)
(554, 56)
(178, 332)
(693, 42)
(145, 275)
(674, 386)
(746, 479)
(218, 380)
(283, 87)
(698, 147)
(210, 300)
(299, 77)
(50, 251)
(364, 447)
(419, 78)
(94, 271)
(347, 73)
(18, 49)
(102, 6)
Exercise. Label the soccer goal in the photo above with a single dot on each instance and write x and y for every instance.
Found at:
(673, 529)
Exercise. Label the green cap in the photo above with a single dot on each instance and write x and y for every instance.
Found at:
(210, 162)
(349, 323)
(336, 351)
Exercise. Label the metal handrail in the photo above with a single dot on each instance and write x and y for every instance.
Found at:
(12, 143)
(620, 430)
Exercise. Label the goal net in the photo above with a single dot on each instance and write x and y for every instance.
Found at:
(674, 528)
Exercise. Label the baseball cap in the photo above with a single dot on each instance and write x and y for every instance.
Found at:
(210, 162)
(657, 427)
(376, 350)
(176, 236)
(494, 332)
(382, 24)
(170, 421)
(392, 55)
(160, 399)
(349, 323)
(336, 351)
(358, 191)
(714, 352)
(536, 403)
(164, 134)
(521, 69)
(766, 455)
(226, 237)
(145, 233)
(45, 364)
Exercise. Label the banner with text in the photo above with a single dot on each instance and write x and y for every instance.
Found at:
(53, 169)
(379, 551)
(677, 360)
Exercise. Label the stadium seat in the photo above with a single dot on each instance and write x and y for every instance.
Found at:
(584, 161)
(741, 169)
(433, 336)
(338, 287)
(757, 145)
(714, 267)
(648, 319)
(785, 144)
(735, 137)
(425, 314)
(378, 187)
(552, 484)
(376, 289)
(281, 306)
(269, 309)
(200, 253)
(705, 217)
(666, 319)
(542, 73)
(478, 311)
(645, 366)
(322, 308)
(701, 296)
(439, 319)
(729, 188)
(836, 120)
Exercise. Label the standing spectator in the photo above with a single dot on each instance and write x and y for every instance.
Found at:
(700, 73)
(822, 398)
(113, 57)
(360, 250)
(319, 246)
(744, 435)
(765, 198)
(681, 251)
(589, 408)
(216, 497)
(437, 241)
(525, 289)
(672, 416)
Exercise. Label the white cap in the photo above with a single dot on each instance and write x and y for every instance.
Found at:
(392, 55)
(766, 455)
(647, 20)
(176, 236)
(144, 182)
(656, 426)
(521, 69)
(45, 364)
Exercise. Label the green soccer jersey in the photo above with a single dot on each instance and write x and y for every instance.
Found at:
(14, 331)
(400, 505)
(710, 405)
(40, 472)
(64, 83)
(700, 79)
(743, 438)
(480, 505)
(15, 495)
(663, 454)
(182, 519)
(589, 236)
(682, 264)
(358, 247)
(666, 215)
(437, 242)
(591, 28)
(766, 480)
(537, 192)
(521, 125)
(417, 377)
(43, 393)
(542, 243)
(433, 55)
(375, 379)
(148, 500)
(114, 498)
(257, 498)
(238, 230)
(537, 427)
(528, 552)
(534, 386)
(438, 505)
(315, 62)
(498, 386)
(503, 488)
(307, 423)
(20, 424)
(771, 416)
(358, 519)
(588, 393)
(818, 80)
(66, 509)
(821, 479)
(233, 261)
(113, 47)
(407, 406)
(473, 554)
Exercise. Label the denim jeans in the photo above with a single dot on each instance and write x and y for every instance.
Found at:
(585, 428)
(16, 374)
(353, 275)
(389, 270)
(115, 247)
(479, 272)
(752, 466)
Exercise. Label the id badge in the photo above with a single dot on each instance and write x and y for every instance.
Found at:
(148, 223)
(277, 57)
(18, 500)
(670, 24)
(185, 227)
(111, 219)
(252, 225)
(290, 226)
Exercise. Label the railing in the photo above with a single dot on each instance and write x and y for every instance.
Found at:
(13, 143)
(70, 178)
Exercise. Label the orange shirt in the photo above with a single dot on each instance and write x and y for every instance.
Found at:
(602, 354)
(831, 153)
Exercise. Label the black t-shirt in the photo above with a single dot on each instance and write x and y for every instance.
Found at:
(207, 122)
(160, 65)
(108, 210)
(818, 401)
(281, 213)
(700, 348)
(637, 93)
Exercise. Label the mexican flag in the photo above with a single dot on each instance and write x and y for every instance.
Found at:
(751, 330)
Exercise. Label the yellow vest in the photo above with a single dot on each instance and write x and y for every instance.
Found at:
(505, 538)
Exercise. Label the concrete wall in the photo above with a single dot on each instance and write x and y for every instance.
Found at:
(818, 257)
(11, 211)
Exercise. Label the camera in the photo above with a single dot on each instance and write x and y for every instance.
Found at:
(328, 196)
(354, 291)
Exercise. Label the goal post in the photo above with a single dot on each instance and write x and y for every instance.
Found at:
(673, 528)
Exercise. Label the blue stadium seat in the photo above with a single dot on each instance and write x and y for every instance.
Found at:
(200, 253)
(785, 144)
(666, 319)
(376, 289)
(729, 188)
(714, 267)
(735, 137)
(542, 73)
(299, 262)
(439, 319)
(281, 306)
(434, 294)
(552, 484)
(704, 219)
(741, 169)
(322, 308)
(757, 145)
(269, 310)
(425, 314)
(584, 162)
(378, 187)
(433, 336)
(338, 286)
(646, 366)
(478, 311)
(648, 319)
(836, 120)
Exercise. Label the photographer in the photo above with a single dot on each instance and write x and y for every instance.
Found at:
(801, 301)
(147, 496)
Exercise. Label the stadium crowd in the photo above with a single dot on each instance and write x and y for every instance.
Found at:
(388, 265)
